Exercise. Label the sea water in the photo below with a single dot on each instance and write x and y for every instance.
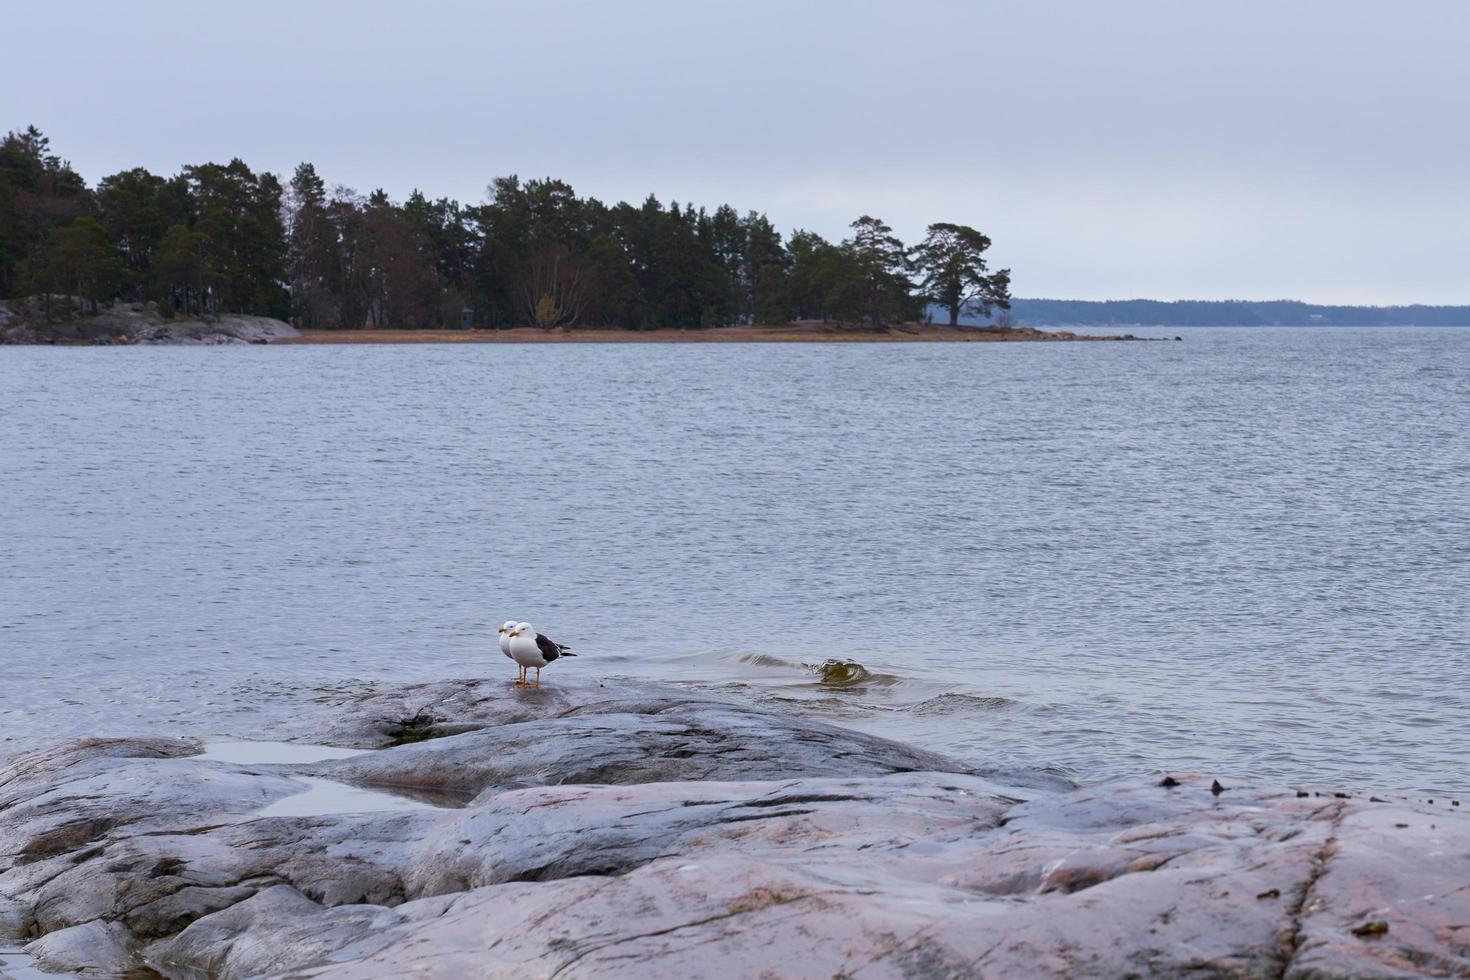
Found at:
(1246, 553)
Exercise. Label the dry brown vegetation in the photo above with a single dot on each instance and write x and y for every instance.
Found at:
(801, 331)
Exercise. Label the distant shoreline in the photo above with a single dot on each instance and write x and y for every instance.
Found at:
(1123, 314)
(803, 332)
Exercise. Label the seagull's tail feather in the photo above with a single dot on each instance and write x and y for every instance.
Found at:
(566, 651)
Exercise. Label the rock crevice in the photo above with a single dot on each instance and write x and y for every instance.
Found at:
(1301, 901)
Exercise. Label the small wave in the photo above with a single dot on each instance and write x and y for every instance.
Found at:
(765, 660)
(830, 673)
(829, 706)
(850, 674)
(945, 704)
(842, 673)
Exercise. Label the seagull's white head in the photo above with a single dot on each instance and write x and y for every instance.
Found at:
(509, 625)
(523, 629)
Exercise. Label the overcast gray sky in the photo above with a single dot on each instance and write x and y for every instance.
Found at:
(1316, 149)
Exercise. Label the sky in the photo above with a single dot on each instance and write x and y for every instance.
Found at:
(1309, 149)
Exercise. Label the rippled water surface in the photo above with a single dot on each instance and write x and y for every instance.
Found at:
(1247, 553)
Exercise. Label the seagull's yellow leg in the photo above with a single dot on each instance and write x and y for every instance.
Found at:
(538, 676)
(520, 676)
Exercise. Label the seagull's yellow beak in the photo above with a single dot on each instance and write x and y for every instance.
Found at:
(514, 633)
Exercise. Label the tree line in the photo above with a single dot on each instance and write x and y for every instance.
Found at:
(218, 238)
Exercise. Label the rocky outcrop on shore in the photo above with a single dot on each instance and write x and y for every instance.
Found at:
(229, 328)
(638, 831)
(135, 323)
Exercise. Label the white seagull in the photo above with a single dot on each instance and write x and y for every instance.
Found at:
(505, 629)
(531, 649)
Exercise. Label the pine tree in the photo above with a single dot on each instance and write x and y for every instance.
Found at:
(874, 284)
(311, 259)
(240, 211)
(39, 192)
(82, 262)
(137, 208)
(765, 272)
(183, 268)
(952, 261)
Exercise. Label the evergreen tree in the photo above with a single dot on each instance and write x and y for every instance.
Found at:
(240, 211)
(765, 272)
(39, 192)
(311, 259)
(388, 268)
(723, 237)
(811, 259)
(137, 208)
(184, 271)
(345, 212)
(873, 283)
(451, 237)
(952, 261)
(82, 262)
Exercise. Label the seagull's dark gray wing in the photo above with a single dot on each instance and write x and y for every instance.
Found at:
(551, 649)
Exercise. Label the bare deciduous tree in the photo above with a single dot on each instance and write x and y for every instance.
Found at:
(555, 287)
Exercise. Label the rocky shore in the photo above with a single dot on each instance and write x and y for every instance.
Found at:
(136, 323)
(629, 830)
(140, 323)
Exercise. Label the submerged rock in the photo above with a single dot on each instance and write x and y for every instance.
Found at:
(646, 831)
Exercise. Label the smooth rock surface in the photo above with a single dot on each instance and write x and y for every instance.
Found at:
(73, 321)
(95, 947)
(228, 328)
(641, 831)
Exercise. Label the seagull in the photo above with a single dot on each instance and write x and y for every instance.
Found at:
(531, 649)
(505, 629)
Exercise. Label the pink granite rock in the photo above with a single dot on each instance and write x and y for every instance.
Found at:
(774, 847)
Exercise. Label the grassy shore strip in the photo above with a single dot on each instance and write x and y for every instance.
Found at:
(789, 333)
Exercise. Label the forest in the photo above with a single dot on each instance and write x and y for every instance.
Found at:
(221, 238)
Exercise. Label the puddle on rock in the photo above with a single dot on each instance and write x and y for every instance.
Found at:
(323, 797)
(246, 753)
(18, 965)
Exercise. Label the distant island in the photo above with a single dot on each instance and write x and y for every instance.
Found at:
(219, 253)
(1222, 313)
(218, 239)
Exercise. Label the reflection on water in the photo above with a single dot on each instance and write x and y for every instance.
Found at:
(1245, 553)
(323, 797)
(17, 965)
